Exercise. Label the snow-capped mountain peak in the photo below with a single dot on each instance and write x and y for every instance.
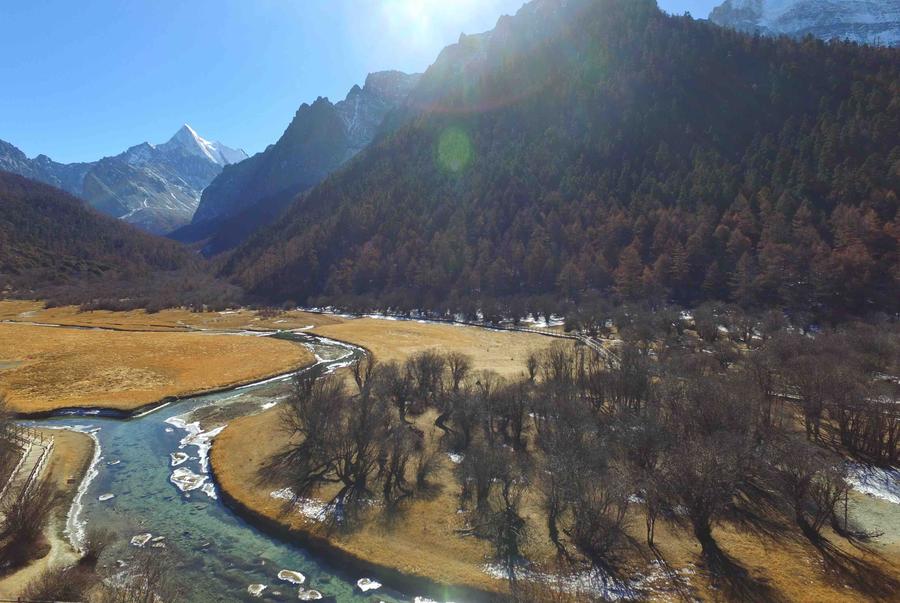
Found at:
(187, 140)
(864, 21)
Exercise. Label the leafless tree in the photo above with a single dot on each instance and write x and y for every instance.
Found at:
(149, 579)
(812, 481)
(24, 518)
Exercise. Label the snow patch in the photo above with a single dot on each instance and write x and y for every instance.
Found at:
(367, 584)
(291, 576)
(875, 481)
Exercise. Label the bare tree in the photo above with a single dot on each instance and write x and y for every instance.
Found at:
(24, 518)
(812, 481)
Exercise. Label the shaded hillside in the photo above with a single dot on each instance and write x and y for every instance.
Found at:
(607, 146)
(52, 245)
(319, 139)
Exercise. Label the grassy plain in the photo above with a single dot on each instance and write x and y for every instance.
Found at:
(502, 351)
(422, 541)
(50, 368)
(773, 561)
(173, 319)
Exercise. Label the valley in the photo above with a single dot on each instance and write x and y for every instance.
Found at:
(422, 547)
(597, 300)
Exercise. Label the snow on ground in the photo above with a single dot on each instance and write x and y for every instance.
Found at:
(309, 508)
(654, 583)
(875, 481)
(179, 458)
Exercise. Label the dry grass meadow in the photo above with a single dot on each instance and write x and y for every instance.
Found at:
(166, 320)
(45, 368)
(425, 538)
(501, 351)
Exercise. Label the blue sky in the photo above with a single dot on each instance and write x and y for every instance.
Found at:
(86, 79)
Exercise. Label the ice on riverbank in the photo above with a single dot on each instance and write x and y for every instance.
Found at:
(315, 510)
(310, 594)
(256, 590)
(202, 440)
(210, 490)
(186, 480)
(367, 584)
(291, 576)
(179, 457)
(657, 582)
(875, 481)
(105, 497)
(141, 539)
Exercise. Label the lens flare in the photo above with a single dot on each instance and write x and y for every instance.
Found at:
(454, 149)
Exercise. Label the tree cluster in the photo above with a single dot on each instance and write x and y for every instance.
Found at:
(621, 151)
(690, 423)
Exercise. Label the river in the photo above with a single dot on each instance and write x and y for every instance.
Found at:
(218, 555)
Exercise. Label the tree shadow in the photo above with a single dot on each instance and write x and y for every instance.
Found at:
(863, 576)
(733, 579)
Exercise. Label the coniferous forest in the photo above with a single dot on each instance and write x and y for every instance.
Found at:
(607, 148)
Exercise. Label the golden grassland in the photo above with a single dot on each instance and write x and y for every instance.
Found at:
(424, 539)
(421, 542)
(501, 351)
(174, 319)
(49, 368)
(773, 560)
(70, 458)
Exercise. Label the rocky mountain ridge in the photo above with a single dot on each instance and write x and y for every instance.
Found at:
(155, 187)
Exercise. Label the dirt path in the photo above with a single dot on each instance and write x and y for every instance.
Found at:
(37, 450)
(65, 467)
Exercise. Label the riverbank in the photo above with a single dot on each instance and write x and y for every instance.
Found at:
(70, 459)
(45, 369)
(169, 320)
(503, 352)
(418, 550)
(426, 545)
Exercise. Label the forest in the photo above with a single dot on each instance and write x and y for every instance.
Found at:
(620, 152)
(54, 247)
(685, 425)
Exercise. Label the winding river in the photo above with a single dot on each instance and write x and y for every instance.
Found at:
(218, 555)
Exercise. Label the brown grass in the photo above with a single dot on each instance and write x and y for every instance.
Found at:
(166, 320)
(772, 561)
(502, 351)
(420, 542)
(54, 368)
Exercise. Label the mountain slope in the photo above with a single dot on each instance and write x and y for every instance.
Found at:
(319, 139)
(156, 187)
(864, 21)
(623, 151)
(53, 246)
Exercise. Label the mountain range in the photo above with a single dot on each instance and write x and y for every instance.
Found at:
(155, 187)
(580, 149)
(606, 146)
(864, 21)
(321, 137)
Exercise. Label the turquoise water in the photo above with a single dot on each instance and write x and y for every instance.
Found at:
(217, 554)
